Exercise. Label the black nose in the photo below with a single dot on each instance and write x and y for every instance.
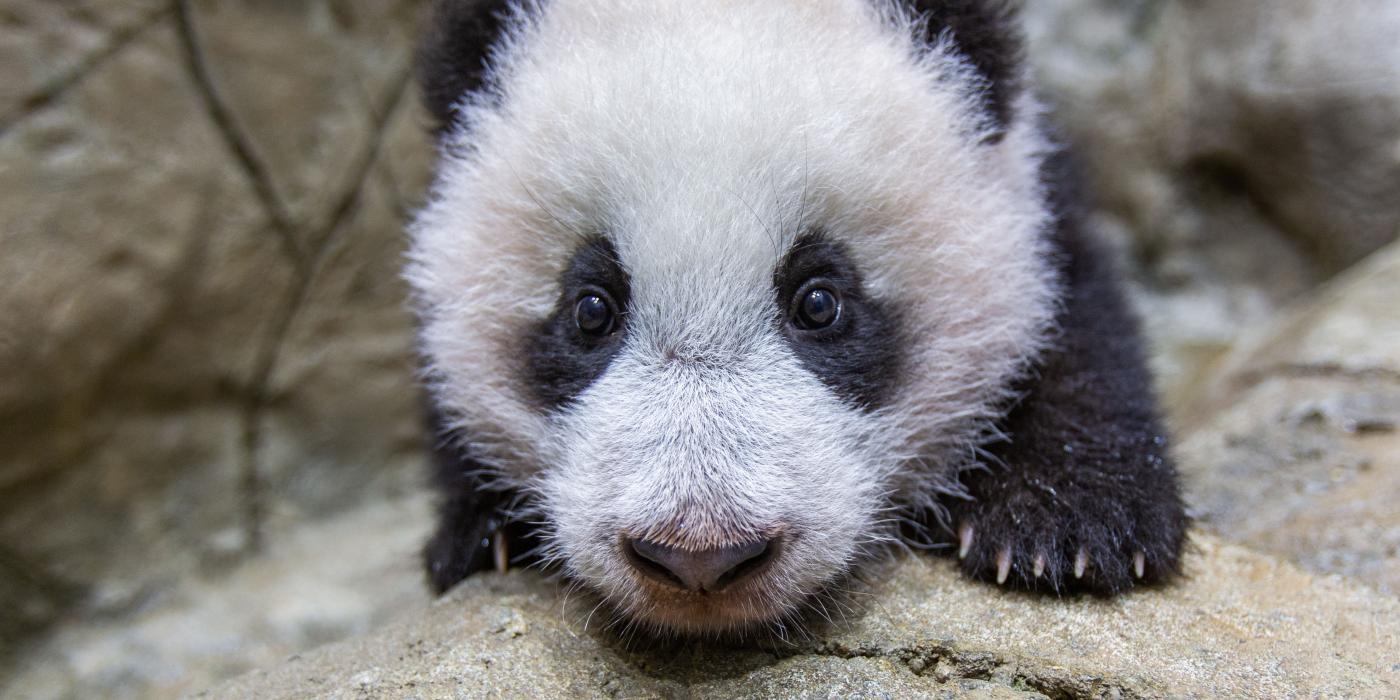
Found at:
(709, 570)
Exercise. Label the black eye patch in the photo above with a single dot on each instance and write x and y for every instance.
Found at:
(855, 351)
(571, 348)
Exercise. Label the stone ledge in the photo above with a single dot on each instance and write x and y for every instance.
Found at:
(1241, 625)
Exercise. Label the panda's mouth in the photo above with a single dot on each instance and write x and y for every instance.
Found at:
(701, 571)
(768, 588)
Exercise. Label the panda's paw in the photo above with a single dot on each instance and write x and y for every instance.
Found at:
(1064, 545)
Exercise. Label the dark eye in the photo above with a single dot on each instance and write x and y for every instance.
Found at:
(816, 307)
(594, 314)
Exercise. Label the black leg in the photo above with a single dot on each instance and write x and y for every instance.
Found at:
(474, 532)
(1082, 494)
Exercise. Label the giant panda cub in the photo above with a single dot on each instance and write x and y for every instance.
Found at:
(722, 300)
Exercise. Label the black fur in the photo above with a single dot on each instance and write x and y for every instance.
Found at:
(987, 34)
(469, 515)
(459, 36)
(560, 361)
(858, 356)
(453, 55)
(1085, 461)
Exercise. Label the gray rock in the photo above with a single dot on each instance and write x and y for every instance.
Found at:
(46, 46)
(1303, 115)
(200, 353)
(125, 314)
(1240, 625)
(319, 583)
(1297, 446)
(1240, 153)
(340, 68)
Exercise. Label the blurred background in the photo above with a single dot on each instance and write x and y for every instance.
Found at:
(211, 455)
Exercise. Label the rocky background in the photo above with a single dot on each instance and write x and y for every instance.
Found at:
(211, 452)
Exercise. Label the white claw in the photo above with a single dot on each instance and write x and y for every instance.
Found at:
(1081, 562)
(499, 552)
(964, 540)
(1039, 566)
(1139, 564)
(1003, 565)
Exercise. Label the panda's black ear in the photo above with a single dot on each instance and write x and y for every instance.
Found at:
(475, 531)
(452, 56)
(988, 34)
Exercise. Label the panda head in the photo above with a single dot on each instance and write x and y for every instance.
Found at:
(723, 287)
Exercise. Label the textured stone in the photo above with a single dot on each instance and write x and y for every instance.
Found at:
(125, 311)
(351, 59)
(1239, 152)
(180, 387)
(320, 583)
(1241, 625)
(1303, 115)
(405, 157)
(1299, 453)
(342, 415)
(46, 46)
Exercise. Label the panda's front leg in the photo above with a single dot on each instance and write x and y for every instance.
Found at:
(475, 528)
(1082, 494)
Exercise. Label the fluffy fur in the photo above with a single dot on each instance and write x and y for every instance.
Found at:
(709, 144)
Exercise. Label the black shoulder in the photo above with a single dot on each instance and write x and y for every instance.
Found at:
(475, 528)
(1082, 493)
(988, 34)
(456, 44)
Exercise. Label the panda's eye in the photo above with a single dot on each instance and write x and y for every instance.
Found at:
(593, 313)
(816, 307)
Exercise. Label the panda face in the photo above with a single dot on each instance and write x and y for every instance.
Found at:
(719, 451)
(711, 281)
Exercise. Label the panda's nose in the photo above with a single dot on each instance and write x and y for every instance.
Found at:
(703, 570)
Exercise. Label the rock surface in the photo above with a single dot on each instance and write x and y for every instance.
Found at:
(1297, 446)
(322, 582)
(1240, 152)
(202, 329)
(46, 46)
(1240, 625)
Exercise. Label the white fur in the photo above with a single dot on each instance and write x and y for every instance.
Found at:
(702, 138)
